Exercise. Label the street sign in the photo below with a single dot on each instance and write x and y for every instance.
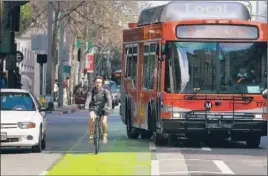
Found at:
(90, 63)
(78, 44)
(89, 45)
(39, 42)
(19, 56)
(67, 69)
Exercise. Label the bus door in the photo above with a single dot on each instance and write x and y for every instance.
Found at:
(132, 83)
(147, 82)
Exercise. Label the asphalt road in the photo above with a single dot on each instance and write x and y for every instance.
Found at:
(67, 145)
(223, 158)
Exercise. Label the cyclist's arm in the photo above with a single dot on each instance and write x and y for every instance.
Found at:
(109, 100)
(88, 100)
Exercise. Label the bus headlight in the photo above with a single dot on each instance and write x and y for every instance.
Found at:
(177, 115)
(258, 116)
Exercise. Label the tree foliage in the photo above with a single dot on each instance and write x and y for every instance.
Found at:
(102, 22)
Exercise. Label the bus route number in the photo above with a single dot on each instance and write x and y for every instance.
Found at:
(260, 104)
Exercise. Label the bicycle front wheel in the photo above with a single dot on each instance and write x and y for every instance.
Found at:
(96, 136)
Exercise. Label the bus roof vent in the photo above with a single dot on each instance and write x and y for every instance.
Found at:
(183, 10)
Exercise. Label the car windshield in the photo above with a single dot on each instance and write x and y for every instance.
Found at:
(13, 101)
(215, 67)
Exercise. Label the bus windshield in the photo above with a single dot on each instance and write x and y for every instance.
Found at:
(216, 67)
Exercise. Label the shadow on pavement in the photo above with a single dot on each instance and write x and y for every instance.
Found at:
(219, 147)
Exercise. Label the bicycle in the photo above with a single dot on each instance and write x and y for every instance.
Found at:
(98, 135)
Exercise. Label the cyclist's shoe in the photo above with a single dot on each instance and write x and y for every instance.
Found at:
(90, 139)
(104, 140)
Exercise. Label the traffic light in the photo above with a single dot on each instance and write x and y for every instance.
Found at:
(12, 11)
(41, 58)
(15, 19)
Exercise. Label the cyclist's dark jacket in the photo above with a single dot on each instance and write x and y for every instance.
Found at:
(100, 100)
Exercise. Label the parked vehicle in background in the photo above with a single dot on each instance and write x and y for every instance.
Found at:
(23, 121)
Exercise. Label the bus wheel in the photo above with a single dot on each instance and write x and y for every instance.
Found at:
(160, 139)
(253, 142)
(146, 134)
(131, 132)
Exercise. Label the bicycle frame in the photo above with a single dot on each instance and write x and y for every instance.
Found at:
(97, 133)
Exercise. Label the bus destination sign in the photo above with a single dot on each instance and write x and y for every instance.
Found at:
(219, 31)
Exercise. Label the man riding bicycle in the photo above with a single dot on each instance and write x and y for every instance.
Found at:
(99, 102)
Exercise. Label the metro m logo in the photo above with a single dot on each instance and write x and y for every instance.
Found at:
(208, 105)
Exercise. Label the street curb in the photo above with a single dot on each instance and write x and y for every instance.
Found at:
(69, 111)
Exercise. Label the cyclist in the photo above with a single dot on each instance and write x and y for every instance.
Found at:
(99, 102)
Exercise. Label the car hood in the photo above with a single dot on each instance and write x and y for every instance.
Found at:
(17, 116)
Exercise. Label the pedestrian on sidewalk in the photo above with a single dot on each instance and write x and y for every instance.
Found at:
(26, 82)
(56, 90)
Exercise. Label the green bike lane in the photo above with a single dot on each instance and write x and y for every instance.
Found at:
(120, 156)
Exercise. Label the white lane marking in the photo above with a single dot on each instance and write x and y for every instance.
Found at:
(152, 146)
(43, 173)
(190, 172)
(206, 148)
(154, 163)
(223, 167)
(154, 167)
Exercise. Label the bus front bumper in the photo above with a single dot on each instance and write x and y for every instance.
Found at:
(203, 126)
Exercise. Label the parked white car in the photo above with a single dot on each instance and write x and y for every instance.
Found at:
(23, 121)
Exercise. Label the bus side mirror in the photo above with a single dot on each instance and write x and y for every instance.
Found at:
(163, 52)
(264, 93)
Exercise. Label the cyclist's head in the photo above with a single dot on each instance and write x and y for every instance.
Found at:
(98, 81)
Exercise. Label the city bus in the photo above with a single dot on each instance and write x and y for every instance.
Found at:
(195, 70)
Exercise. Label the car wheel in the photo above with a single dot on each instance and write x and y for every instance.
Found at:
(38, 147)
(44, 143)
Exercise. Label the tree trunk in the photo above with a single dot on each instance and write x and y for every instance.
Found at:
(73, 68)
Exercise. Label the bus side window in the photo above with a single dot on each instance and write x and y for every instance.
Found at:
(126, 61)
(145, 66)
(152, 59)
(133, 67)
(129, 60)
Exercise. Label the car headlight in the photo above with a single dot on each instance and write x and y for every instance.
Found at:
(26, 125)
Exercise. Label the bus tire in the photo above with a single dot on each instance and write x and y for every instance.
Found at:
(160, 140)
(145, 134)
(253, 142)
(131, 132)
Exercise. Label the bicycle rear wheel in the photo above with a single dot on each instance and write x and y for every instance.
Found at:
(96, 136)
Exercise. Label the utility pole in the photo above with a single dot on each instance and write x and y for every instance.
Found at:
(49, 71)
(61, 55)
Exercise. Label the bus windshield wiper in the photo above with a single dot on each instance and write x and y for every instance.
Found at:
(239, 91)
(196, 90)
